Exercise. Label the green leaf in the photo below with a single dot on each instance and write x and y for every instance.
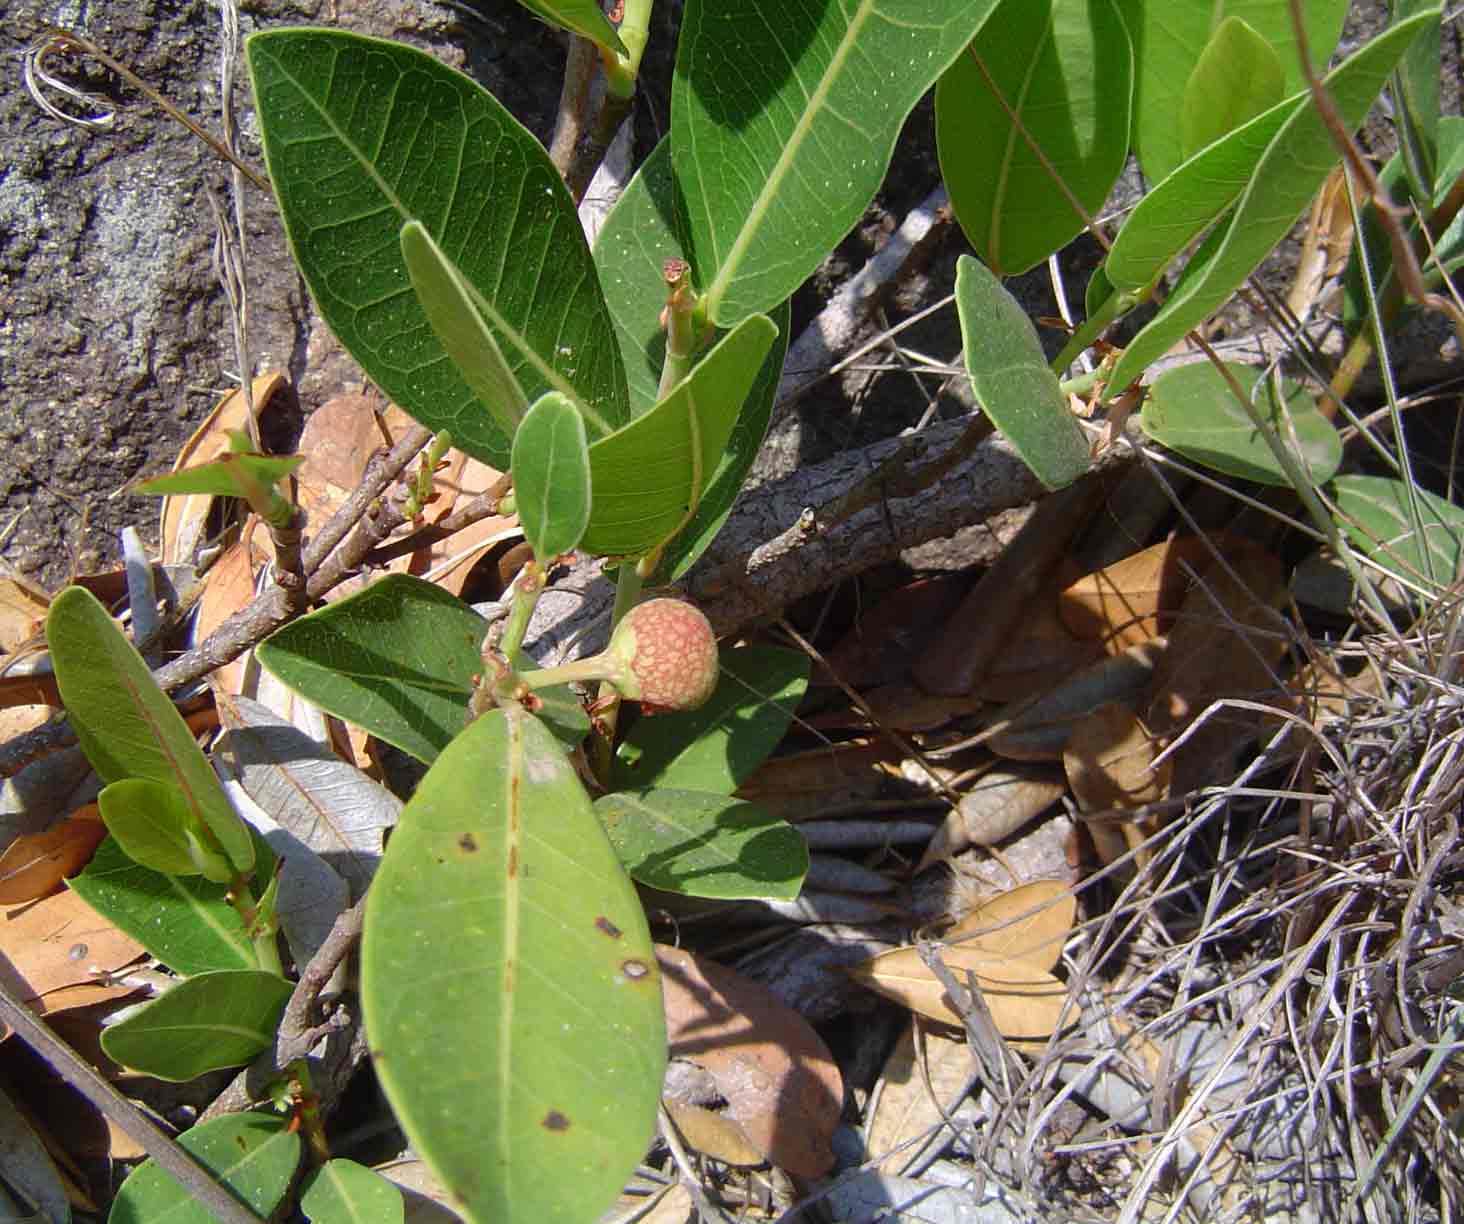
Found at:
(1289, 173)
(227, 476)
(1447, 247)
(250, 1153)
(783, 119)
(715, 748)
(1415, 90)
(125, 723)
(344, 1192)
(397, 659)
(649, 477)
(583, 17)
(1170, 217)
(1376, 512)
(362, 137)
(152, 824)
(638, 236)
(1012, 381)
(551, 477)
(1170, 37)
(1065, 69)
(203, 1023)
(704, 845)
(1238, 77)
(524, 1057)
(185, 922)
(1192, 410)
(449, 302)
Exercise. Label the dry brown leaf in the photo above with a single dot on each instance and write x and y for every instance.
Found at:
(229, 587)
(23, 607)
(885, 638)
(1226, 640)
(35, 863)
(714, 1135)
(1044, 655)
(1029, 923)
(1134, 599)
(1110, 761)
(777, 1076)
(1026, 1003)
(1039, 729)
(904, 1109)
(797, 787)
(899, 707)
(1008, 943)
(994, 807)
(60, 942)
(184, 516)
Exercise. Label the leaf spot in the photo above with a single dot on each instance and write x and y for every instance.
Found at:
(604, 924)
(512, 868)
(555, 1121)
(634, 969)
(468, 844)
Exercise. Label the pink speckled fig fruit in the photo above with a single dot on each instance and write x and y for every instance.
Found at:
(668, 655)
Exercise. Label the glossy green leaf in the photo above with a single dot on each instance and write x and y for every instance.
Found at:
(1289, 173)
(551, 477)
(362, 137)
(1192, 410)
(638, 236)
(125, 723)
(1376, 513)
(185, 922)
(1238, 77)
(1064, 68)
(152, 824)
(1171, 35)
(397, 659)
(783, 119)
(344, 1192)
(741, 449)
(583, 17)
(649, 477)
(226, 476)
(1173, 214)
(250, 1153)
(203, 1023)
(1012, 381)
(715, 748)
(524, 1057)
(704, 845)
(450, 303)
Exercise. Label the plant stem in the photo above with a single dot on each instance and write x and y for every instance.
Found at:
(628, 582)
(526, 591)
(621, 71)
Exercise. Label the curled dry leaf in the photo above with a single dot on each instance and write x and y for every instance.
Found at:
(1008, 944)
(35, 863)
(1227, 642)
(713, 1134)
(1044, 655)
(996, 806)
(23, 607)
(1137, 598)
(798, 787)
(184, 516)
(905, 1109)
(1039, 730)
(779, 1080)
(1110, 761)
(53, 951)
(879, 649)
